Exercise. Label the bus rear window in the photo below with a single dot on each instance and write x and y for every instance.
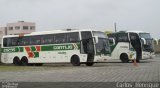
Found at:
(5, 42)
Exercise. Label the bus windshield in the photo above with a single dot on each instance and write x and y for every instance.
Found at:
(102, 46)
(145, 35)
(149, 42)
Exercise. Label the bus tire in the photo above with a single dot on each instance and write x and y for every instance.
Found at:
(24, 61)
(89, 63)
(75, 60)
(16, 61)
(124, 58)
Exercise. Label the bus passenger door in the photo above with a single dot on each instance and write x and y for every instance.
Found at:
(87, 46)
(136, 44)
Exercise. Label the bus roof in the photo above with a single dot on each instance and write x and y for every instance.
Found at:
(52, 32)
(138, 31)
(128, 32)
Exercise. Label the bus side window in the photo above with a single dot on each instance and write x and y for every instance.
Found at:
(9, 42)
(72, 37)
(14, 41)
(32, 41)
(60, 38)
(42, 39)
(23, 41)
(5, 42)
(35, 40)
(26, 41)
(50, 39)
(47, 39)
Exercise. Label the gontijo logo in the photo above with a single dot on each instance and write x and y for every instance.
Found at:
(65, 47)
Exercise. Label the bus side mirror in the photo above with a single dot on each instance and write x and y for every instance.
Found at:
(156, 40)
(112, 41)
(144, 41)
(95, 39)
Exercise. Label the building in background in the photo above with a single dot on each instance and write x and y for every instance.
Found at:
(17, 28)
(3, 31)
(20, 27)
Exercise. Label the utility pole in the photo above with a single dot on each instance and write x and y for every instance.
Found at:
(115, 27)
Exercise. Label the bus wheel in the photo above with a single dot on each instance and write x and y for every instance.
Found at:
(89, 63)
(16, 61)
(124, 58)
(24, 61)
(75, 60)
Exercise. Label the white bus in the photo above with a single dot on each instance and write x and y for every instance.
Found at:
(137, 42)
(60, 46)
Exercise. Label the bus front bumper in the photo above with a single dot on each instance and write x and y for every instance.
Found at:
(147, 55)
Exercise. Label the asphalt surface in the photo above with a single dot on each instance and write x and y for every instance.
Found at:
(112, 71)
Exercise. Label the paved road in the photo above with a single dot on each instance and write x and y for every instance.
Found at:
(147, 71)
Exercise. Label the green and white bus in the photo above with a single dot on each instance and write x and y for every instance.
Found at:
(59, 46)
(129, 45)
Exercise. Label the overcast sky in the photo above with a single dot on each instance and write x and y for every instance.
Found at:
(95, 14)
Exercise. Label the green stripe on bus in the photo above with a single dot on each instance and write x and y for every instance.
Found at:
(59, 47)
(43, 48)
(21, 49)
(46, 48)
(10, 50)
